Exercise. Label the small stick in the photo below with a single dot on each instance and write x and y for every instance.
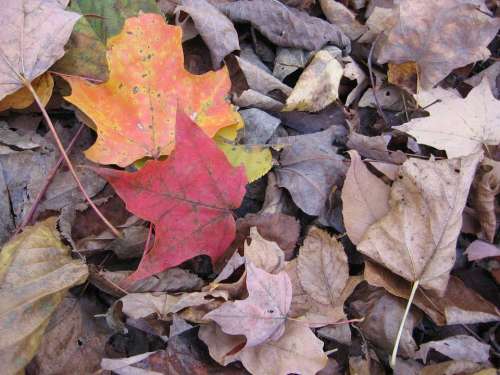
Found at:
(48, 180)
(372, 81)
(394, 355)
(28, 85)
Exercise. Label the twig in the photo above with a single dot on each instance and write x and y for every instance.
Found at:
(28, 85)
(372, 81)
(394, 355)
(48, 180)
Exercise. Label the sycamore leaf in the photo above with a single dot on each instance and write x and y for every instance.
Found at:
(260, 317)
(36, 271)
(32, 39)
(417, 237)
(439, 36)
(457, 126)
(102, 19)
(23, 98)
(188, 197)
(135, 117)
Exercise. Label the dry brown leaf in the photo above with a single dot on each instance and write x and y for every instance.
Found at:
(340, 15)
(479, 250)
(264, 254)
(451, 368)
(484, 190)
(215, 28)
(459, 304)
(322, 267)
(374, 148)
(456, 126)
(359, 208)
(36, 271)
(446, 34)
(284, 26)
(262, 315)
(417, 238)
(259, 80)
(32, 39)
(460, 347)
(404, 75)
(318, 85)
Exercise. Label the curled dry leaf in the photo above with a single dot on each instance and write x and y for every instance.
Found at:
(214, 27)
(436, 28)
(322, 267)
(375, 148)
(36, 271)
(264, 254)
(23, 98)
(196, 183)
(260, 317)
(417, 237)
(485, 188)
(136, 113)
(455, 125)
(339, 15)
(28, 44)
(259, 80)
(284, 26)
(288, 60)
(318, 85)
(479, 250)
(451, 368)
(359, 209)
(460, 347)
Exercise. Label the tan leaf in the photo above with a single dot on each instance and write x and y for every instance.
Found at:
(456, 126)
(436, 27)
(322, 267)
(359, 208)
(23, 98)
(222, 347)
(460, 347)
(318, 85)
(459, 304)
(340, 15)
(451, 368)
(260, 80)
(417, 238)
(264, 254)
(36, 271)
(480, 250)
(484, 190)
(374, 148)
(32, 39)
(262, 315)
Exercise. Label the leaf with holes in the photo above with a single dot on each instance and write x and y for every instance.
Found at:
(188, 197)
(135, 117)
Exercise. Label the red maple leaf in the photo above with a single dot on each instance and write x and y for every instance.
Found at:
(188, 197)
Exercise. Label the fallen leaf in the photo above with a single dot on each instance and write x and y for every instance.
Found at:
(339, 15)
(485, 188)
(451, 368)
(381, 18)
(136, 113)
(318, 85)
(404, 75)
(253, 98)
(341, 333)
(214, 27)
(364, 366)
(359, 209)
(309, 168)
(36, 271)
(460, 347)
(23, 98)
(431, 39)
(490, 74)
(322, 267)
(124, 366)
(196, 183)
(353, 71)
(382, 315)
(374, 148)
(479, 250)
(260, 317)
(28, 44)
(264, 254)
(417, 237)
(289, 60)
(284, 26)
(455, 125)
(459, 304)
(260, 80)
(259, 126)
(102, 19)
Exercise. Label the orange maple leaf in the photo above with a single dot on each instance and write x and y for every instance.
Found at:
(135, 110)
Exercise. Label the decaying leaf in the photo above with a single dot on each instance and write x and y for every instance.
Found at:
(417, 237)
(456, 126)
(196, 183)
(480, 250)
(29, 44)
(339, 15)
(359, 209)
(136, 113)
(264, 254)
(460, 347)
(23, 98)
(451, 368)
(36, 271)
(318, 85)
(446, 34)
(375, 148)
(309, 167)
(284, 26)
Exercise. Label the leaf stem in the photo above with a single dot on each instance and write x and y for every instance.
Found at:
(28, 85)
(401, 326)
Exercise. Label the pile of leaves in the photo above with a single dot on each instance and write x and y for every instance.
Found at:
(249, 186)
